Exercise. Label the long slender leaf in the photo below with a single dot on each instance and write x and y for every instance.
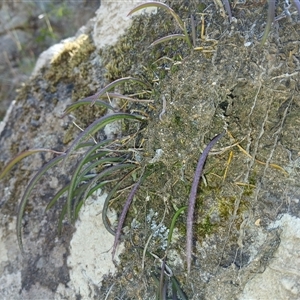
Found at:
(192, 199)
(172, 12)
(104, 173)
(115, 83)
(30, 187)
(80, 103)
(129, 199)
(123, 216)
(174, 219)
(27, 193)
(96, 126)
(107, 172)
(61, 218)
(106, 202)
(79, 204)
(176, 286)
(97, 163)
(120, 96)
(228, 9)
(79, 192)
(57, 196)
(81, 163)
(168, 38)
(22, 155)
(159, 5)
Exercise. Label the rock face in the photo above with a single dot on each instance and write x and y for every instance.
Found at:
(247, 227)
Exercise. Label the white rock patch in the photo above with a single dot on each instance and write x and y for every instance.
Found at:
(90, 249)
(281, 279)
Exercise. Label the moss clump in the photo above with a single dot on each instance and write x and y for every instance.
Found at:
(131, 56)
(205, 227)
(72, 61)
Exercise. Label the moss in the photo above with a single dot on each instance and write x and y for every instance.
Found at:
(71, 62)
(204, 228)
(226, 206)
(130, 57)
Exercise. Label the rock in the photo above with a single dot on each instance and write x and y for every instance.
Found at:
(246, 229)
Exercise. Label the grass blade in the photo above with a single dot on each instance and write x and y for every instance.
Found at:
(192, 199)
(228, 9)
(174, 219)
(82, 162)
(30, 187)
(109, 196)
(145, 174)
(105, 160)
(80, 103)
(96, 126)
(22, 155)
(159, 5)
(27, 193)
(115, 83)
(78, 204)
(61, 218)
(56, 197)
(168, 38)
(123, 215)
(120, 96)
(176, 287)
(104, 173)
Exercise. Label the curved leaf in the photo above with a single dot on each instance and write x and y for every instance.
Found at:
(192, 199)
(97, 163)
(270, 20)
(61, 218)
(115, 83)
(168, 38)
(106, 203)
(104, 173)
(22, 155)
(159, 5)
(120, 96)
(174, 219)
(82, 162)
(27, 193)
(80, 103)
(57, 196)
(96, 126)
(81, 202)
(30, 187)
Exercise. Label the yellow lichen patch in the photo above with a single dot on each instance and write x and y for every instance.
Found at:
(72, 62)
(70, 49)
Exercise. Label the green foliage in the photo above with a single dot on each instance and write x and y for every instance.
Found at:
(99, 164)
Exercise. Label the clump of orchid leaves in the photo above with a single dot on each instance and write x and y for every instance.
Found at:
(102, 156)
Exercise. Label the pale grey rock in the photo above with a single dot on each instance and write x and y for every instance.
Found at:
(112, 21)
(281, 278)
